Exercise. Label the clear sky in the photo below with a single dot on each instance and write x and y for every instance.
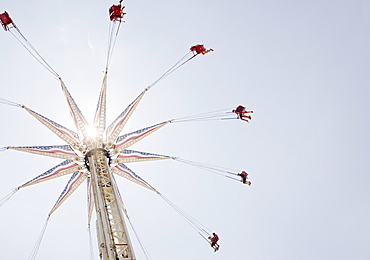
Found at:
(302, 66)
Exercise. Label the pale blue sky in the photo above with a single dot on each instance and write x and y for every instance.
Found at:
(302, 66)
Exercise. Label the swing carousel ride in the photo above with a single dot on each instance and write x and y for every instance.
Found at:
(97, 152)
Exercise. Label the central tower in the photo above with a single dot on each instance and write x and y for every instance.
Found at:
(113, 238)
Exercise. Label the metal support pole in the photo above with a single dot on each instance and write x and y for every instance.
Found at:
(113, 238)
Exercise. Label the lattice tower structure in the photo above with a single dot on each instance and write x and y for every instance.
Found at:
(113, 238)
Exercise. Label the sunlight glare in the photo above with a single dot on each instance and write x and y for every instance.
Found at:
(92, 132)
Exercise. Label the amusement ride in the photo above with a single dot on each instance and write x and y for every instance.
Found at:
(100, 156)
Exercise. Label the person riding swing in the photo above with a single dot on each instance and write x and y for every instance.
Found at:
(241, 113)
(213, 240)
(244, 177)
